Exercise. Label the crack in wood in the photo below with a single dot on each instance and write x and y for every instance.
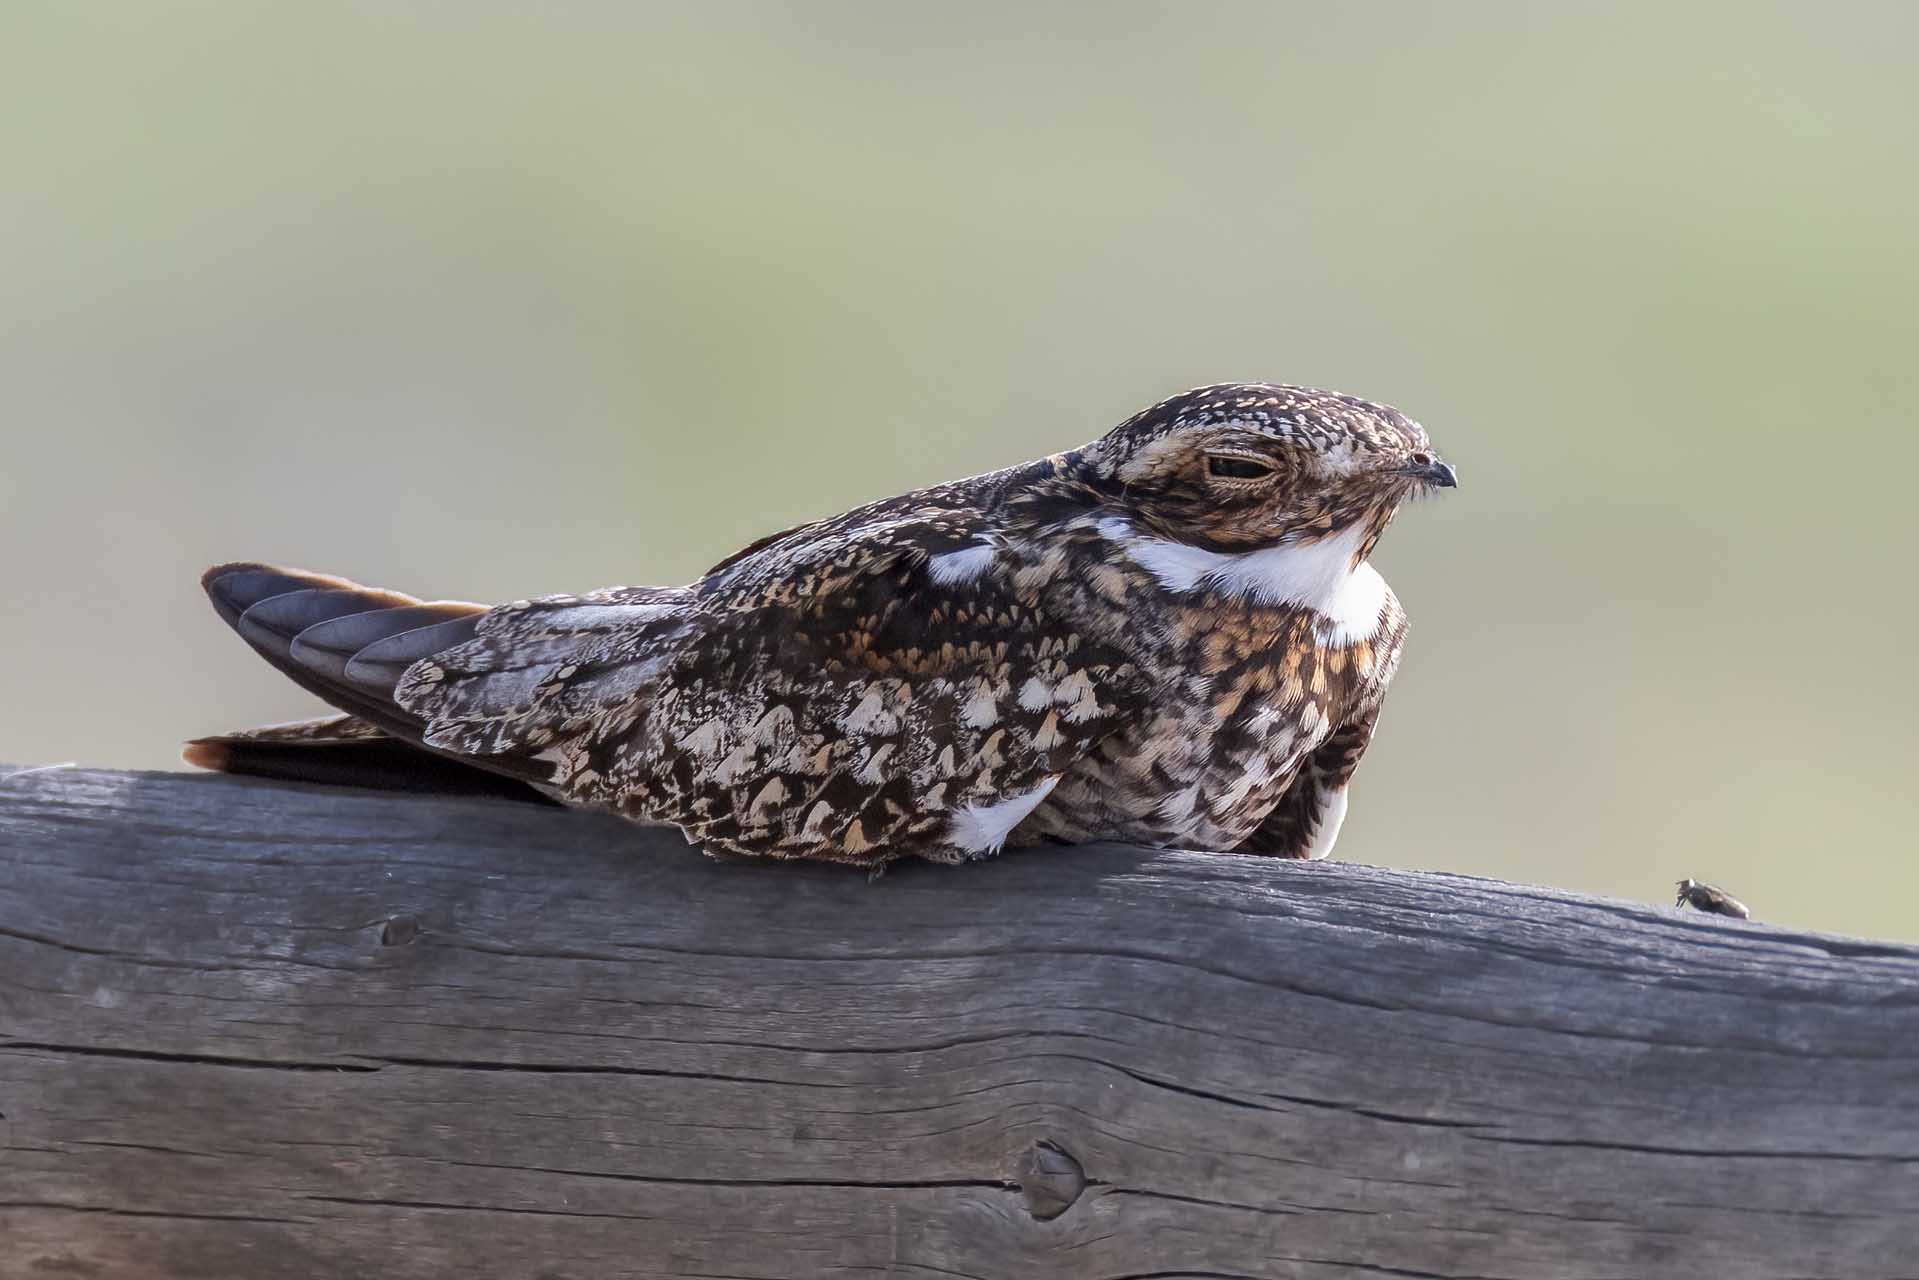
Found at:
(375, 1202)
(1698, 1153)
(186, 1059)
(181, 1216)
(897, 1184)
(1350, 1266)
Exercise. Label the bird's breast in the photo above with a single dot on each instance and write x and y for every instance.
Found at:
(1247, 692)
(1178, 777)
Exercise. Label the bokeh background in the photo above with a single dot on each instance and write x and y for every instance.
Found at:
(488, 300)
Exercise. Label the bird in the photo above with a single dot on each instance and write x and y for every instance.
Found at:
(1170, 636)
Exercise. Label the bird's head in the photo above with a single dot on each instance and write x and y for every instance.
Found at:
(1242, 466)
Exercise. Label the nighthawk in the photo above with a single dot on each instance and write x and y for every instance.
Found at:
(1169, 636)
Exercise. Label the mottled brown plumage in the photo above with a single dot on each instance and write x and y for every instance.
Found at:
(1168, 636)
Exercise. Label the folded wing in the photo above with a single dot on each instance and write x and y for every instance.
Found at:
(856, 691)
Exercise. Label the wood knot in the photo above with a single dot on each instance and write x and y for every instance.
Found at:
(399, 931)
(1050, 1180)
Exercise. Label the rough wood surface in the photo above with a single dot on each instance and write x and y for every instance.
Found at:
(266, 1031)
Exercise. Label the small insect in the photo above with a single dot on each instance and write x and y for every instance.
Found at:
(1704, 897)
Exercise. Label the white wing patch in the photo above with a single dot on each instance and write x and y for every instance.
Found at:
(960, 566)
(1318, 575)
(983, 828)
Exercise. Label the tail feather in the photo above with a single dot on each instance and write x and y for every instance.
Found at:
(347, 752)
(349, 645)
(331, 646)
(379, 664)
(235, 588)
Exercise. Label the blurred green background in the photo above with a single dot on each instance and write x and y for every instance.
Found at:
(491, 300)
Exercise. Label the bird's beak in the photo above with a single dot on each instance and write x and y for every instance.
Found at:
(1434, 474)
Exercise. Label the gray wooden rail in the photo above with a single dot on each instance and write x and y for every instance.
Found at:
(252, 1030)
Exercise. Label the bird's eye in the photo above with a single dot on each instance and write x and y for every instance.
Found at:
(1422, 459)
(1235, 467)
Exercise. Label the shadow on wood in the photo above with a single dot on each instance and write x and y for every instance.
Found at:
(272, 1031)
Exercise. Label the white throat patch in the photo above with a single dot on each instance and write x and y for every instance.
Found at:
(1317, 576)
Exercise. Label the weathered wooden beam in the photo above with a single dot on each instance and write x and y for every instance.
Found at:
(271, 1031)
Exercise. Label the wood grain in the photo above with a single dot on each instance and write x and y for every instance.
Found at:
(258, 1030)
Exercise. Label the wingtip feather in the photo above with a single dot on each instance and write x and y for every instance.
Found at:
(207, 753)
